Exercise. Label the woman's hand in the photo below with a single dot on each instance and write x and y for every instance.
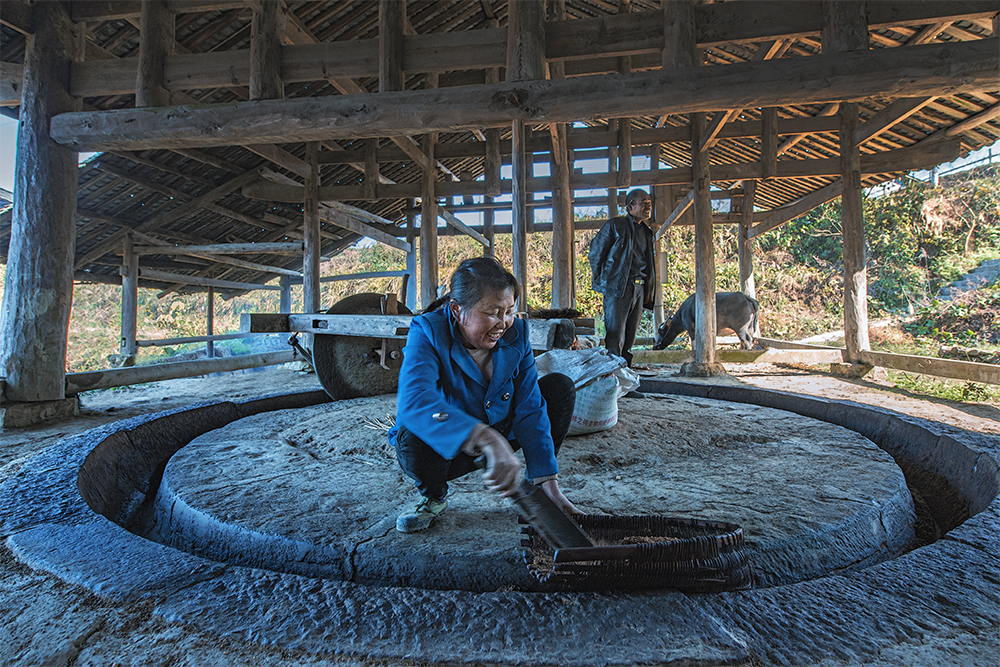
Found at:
(503, 470)
(552, 490)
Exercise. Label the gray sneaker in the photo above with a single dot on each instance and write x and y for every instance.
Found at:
(422, 517)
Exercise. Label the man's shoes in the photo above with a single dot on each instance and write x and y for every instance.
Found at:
(422, 517)
(635, 394)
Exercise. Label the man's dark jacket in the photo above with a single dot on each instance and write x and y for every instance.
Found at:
(611, 258)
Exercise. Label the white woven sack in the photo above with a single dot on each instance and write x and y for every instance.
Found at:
(596, 406)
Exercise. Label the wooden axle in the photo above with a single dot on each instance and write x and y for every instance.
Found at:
(543, 334)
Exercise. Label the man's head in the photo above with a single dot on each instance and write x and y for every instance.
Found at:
(638, 205)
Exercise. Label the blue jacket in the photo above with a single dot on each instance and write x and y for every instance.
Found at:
(442, 393)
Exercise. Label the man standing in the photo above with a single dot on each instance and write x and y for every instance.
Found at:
(621, 259)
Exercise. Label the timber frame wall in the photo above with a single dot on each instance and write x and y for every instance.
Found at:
(244, 140)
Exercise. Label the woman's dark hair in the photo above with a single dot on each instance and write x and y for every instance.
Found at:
(473, 279)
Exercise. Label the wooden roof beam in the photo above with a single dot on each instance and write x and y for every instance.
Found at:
(637, 34)
(893, 114)
(11, 83)
(915, 71)
(904, 159)
(106, 10)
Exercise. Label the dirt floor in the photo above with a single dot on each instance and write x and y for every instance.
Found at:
(44, 621)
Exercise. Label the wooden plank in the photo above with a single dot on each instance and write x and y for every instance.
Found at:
(782, 215)
(347, 217)
(11, 84)
(264, 323)
(770, 356)
(280, 157)
(450, 218)
(896, 112)
(254, 266)
(165, 342)
(180, 279)
(948, 368)
(974, 121)
(541, 333)
(277, 248)
(793, 345)
(123, 377)
(675, 214)
(376, 326)
(920, 70)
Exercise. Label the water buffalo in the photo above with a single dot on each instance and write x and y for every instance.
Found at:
(733, 310)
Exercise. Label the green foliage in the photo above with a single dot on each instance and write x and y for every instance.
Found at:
(919, 239)
(970, 320)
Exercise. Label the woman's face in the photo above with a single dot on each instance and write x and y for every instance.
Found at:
(484, 323)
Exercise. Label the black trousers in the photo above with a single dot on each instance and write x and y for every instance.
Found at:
(431, 471)
(621, 320)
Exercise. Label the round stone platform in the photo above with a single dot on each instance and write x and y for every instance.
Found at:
(316, 492)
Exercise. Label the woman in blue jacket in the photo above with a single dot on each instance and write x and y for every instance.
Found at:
(468, 387)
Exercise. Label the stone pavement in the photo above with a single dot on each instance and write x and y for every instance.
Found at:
(931, 596)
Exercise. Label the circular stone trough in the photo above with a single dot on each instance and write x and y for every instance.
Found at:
(316, 491)
(933, 593)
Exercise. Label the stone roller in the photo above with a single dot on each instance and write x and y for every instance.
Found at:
(357, 366)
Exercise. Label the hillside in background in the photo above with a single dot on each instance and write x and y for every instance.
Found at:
(919, 239)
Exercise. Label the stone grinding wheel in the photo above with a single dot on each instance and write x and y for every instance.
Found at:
(348, 366)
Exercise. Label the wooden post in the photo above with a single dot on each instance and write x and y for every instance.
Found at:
(210, 322)
(744, 245)
(267, 33)
(519, 211)
(130, 301)
(38, 288)
(391, 19)
(285, 296)
(428, 226)
(525, 62)
(624, 150)
(680, 47)
(563, 238)
(410, 299)
(490, 250)
(371, 169)
(845, 28)
(769, 142)
(492, 160)
(680, 50)
(705, 356)
(310, 233)
(663, 205)
(156, 33)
